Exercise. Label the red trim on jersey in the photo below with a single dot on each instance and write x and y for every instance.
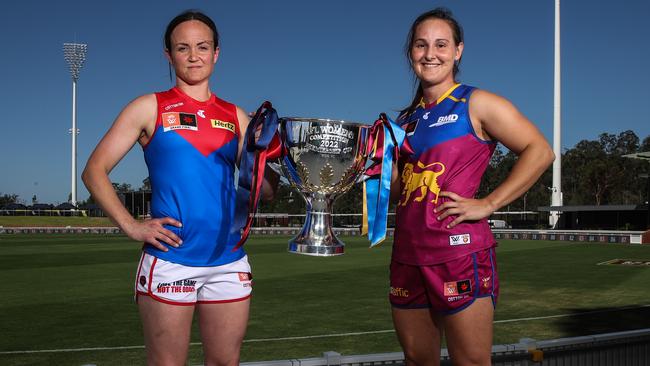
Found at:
(218, 106)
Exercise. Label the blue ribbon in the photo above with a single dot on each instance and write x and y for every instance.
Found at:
(247, 195)
(378, 187)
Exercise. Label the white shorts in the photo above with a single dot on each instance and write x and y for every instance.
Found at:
(177, 284)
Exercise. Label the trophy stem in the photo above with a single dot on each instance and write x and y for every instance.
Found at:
(317, 236)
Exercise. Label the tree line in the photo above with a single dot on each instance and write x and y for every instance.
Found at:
(594, 172)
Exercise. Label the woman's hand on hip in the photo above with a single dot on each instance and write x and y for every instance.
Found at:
(153, 232)
(465, 209)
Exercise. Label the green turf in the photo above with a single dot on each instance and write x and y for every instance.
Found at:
(46, 221)
(75, 291)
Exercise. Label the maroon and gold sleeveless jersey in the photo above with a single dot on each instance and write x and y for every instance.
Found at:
(448, 156)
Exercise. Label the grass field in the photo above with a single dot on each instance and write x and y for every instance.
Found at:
(46, 221)
(67, 299)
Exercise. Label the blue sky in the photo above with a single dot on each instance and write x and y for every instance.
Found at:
(338, 59)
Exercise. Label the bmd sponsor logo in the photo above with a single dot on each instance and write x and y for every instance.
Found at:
(443, 120)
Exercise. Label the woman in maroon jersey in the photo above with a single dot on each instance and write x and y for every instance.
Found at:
(443, 271)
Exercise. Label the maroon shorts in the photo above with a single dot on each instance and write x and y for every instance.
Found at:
(447, 287)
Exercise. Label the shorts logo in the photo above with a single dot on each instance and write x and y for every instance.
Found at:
(399, 292)
(462, 239)
(180, 286)
(175, 121)
(143, 280)
(244, 276)
(486, 281)
(223, 125)
(457, 288)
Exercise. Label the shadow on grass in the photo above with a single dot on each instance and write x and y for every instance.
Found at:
(588, 321)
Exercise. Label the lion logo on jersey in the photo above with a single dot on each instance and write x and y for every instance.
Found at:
(421, 181)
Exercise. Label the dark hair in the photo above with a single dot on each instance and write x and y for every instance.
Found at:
(186, 16)
(457, 32)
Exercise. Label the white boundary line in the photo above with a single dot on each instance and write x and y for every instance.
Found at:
(318, 335)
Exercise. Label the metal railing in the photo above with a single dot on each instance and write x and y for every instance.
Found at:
(630, 348)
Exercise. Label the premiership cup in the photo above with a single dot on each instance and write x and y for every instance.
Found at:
(323, 158)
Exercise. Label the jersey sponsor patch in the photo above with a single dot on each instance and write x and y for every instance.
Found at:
(457, 288)
(223, 125)
(179, 121)
(443, 120)
(462, 239)
(172, 106)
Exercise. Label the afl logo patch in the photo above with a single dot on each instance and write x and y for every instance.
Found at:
(143, 280)
(176, 121)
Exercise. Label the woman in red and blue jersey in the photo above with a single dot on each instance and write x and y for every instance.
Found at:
(192, 141)
(443, 271)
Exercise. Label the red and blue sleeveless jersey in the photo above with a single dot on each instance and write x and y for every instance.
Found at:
(448, 156)
(191, 158)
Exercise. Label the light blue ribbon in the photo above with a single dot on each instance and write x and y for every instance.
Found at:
(378, 188)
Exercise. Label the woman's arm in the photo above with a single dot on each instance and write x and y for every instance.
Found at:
(136, 121)
(496, 118)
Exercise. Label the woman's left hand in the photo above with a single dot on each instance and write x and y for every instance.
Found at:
(463, 208)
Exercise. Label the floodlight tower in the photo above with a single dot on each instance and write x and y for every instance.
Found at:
(75, 55)
(556, 190)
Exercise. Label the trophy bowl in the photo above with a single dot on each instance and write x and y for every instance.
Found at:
(323, 158)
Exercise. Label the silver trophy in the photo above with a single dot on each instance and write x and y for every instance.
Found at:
(323, 159)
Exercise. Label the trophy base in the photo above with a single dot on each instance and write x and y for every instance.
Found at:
(317, 250)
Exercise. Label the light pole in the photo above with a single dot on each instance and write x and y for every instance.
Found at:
(556, 193)
(75, 55)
